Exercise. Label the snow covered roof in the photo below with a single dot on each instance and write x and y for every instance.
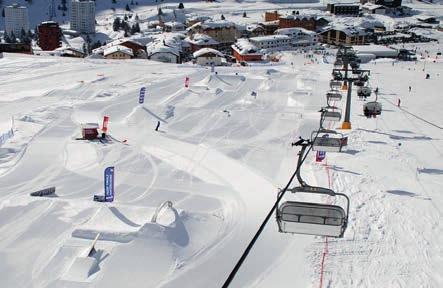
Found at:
(269, 38)
(347, 29)
(205, 51)
(101, 50)
(243, 47)
(202, 39)
(213, 24)
(252, 27)
(294, 30)
(372, 6)
(299, 17)
(118, 48)
(166, 43)
(175, 24)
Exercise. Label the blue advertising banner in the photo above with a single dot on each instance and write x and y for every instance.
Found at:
(109, 184)
(141, 98)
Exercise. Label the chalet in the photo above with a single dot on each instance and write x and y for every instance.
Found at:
(269, 26)
(300, 37)
(209, 57)
(198, 41)
(243, 50)
(291, 21)
(164, 54)
(71, 52)
(223, 31)
(173, 26)
(427, 19)
(118, 52)
(370, 8)
(272, 42)
(195, 19)
(340, 35)
(167, 49)
(347, 9)
(138, 50)
(254, 30)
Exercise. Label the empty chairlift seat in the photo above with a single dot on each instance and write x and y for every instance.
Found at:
(313, 218)
(333, 95)
(372, 109)
(331, 113)
(335, 84)
(328, 141)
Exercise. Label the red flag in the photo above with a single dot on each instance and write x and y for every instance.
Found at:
(105, 124)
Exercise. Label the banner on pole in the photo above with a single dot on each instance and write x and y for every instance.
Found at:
(105, 124)
(141, 98)
(109, 184)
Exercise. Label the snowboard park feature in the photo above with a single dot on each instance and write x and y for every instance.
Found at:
(200, 156)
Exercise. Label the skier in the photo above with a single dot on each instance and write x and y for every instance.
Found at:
(410, 88)
(158, 126)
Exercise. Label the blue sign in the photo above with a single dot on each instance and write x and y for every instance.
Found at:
(320, 156)
(141, 98)
(109, 184)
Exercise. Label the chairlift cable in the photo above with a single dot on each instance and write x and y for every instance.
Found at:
(265, 221)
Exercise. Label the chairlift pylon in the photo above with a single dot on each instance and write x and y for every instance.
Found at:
(312, 218)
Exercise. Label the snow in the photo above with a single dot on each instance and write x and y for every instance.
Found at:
(221, 171)
(204, 51)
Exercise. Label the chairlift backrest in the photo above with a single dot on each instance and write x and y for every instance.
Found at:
(333, 95)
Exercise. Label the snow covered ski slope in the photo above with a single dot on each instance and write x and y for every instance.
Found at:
(220, 155)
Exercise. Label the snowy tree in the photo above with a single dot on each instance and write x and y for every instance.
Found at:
(117, 24)
(244, 15)
(7, 38)
(222, 17)
(3, 12)
(13, 38)
(132, 2)
(127, 7)
(181, 6)
(114, 1)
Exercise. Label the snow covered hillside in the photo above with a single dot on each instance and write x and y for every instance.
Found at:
(219, 156)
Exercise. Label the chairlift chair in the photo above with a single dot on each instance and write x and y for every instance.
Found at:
(331, 113)
(359, 83)
(372, 109)
(328, 141)
(334, 84)
(337, 75)
(313, 218)
(364, 91)
(333, 95)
